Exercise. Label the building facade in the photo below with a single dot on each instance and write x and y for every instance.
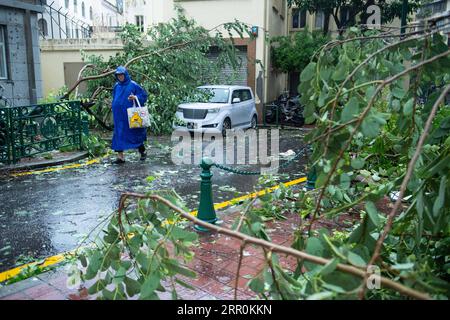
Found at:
(437, 13)
(76, 19)
(62, 59)
(68, 26)
(268, 17)
(303, 20)
(141, 13)
(20, 64)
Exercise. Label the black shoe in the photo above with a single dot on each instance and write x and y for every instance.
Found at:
(143, 156)
(119, 161)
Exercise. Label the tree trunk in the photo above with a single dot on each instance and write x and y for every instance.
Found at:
(338, 23)
(326, 24)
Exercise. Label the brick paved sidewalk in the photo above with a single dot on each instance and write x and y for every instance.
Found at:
(215, 262)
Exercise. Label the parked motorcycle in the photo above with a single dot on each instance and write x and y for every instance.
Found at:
(290, 111)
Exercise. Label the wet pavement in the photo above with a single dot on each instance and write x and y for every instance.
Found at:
(46, 214)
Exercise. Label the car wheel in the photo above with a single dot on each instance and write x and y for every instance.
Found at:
(254, 122)
(226, 126)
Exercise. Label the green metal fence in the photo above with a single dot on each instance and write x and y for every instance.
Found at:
(30, 130)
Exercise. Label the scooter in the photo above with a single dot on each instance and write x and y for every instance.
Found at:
(286, 109)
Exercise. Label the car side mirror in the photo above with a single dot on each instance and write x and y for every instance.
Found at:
(236, 100)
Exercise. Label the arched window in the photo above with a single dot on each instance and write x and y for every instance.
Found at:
(75, 6)
(43, 29)
(91, 13)
(83, 11)
(67, 4)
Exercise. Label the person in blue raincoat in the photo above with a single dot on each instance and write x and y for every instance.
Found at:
(124, 138)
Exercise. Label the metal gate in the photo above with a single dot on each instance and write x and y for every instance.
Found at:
(30, 130)
(239, 76)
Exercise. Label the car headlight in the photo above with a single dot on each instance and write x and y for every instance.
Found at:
(215, 110)
(179, 110)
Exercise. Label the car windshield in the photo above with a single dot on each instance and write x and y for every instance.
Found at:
(211, 95)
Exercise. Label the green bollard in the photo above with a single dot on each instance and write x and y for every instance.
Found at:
(312, 177)
(206, 210)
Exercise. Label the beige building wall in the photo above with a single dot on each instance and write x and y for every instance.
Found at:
(277, 26)
(269, 15)
(55, 53)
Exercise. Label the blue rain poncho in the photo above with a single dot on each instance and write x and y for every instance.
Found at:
(125, 138)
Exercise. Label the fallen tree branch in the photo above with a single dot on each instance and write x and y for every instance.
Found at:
(274, 247)
(408, 176)
(80, 75)
(107, 73)
(359, 122)
(355, 70)
(241, 255)
(100, 121)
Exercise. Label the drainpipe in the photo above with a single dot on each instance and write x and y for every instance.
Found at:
(287, 19)
(266, 54)
(30, 58)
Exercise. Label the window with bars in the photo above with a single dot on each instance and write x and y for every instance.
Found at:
(438, 7)
(43, 28)
(433, 7)
(3, 62)
(140, 23)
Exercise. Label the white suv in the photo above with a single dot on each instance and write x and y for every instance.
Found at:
(217, 109)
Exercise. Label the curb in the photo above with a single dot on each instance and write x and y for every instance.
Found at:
(44, 164)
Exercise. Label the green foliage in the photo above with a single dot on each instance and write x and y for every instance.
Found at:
(47, 156)
(293, 53)
(376, 149)
(33, 267)
(94, 144)
(54, 96)
(136, 254)
(173, 62)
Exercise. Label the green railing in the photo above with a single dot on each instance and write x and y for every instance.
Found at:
(30, 130)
